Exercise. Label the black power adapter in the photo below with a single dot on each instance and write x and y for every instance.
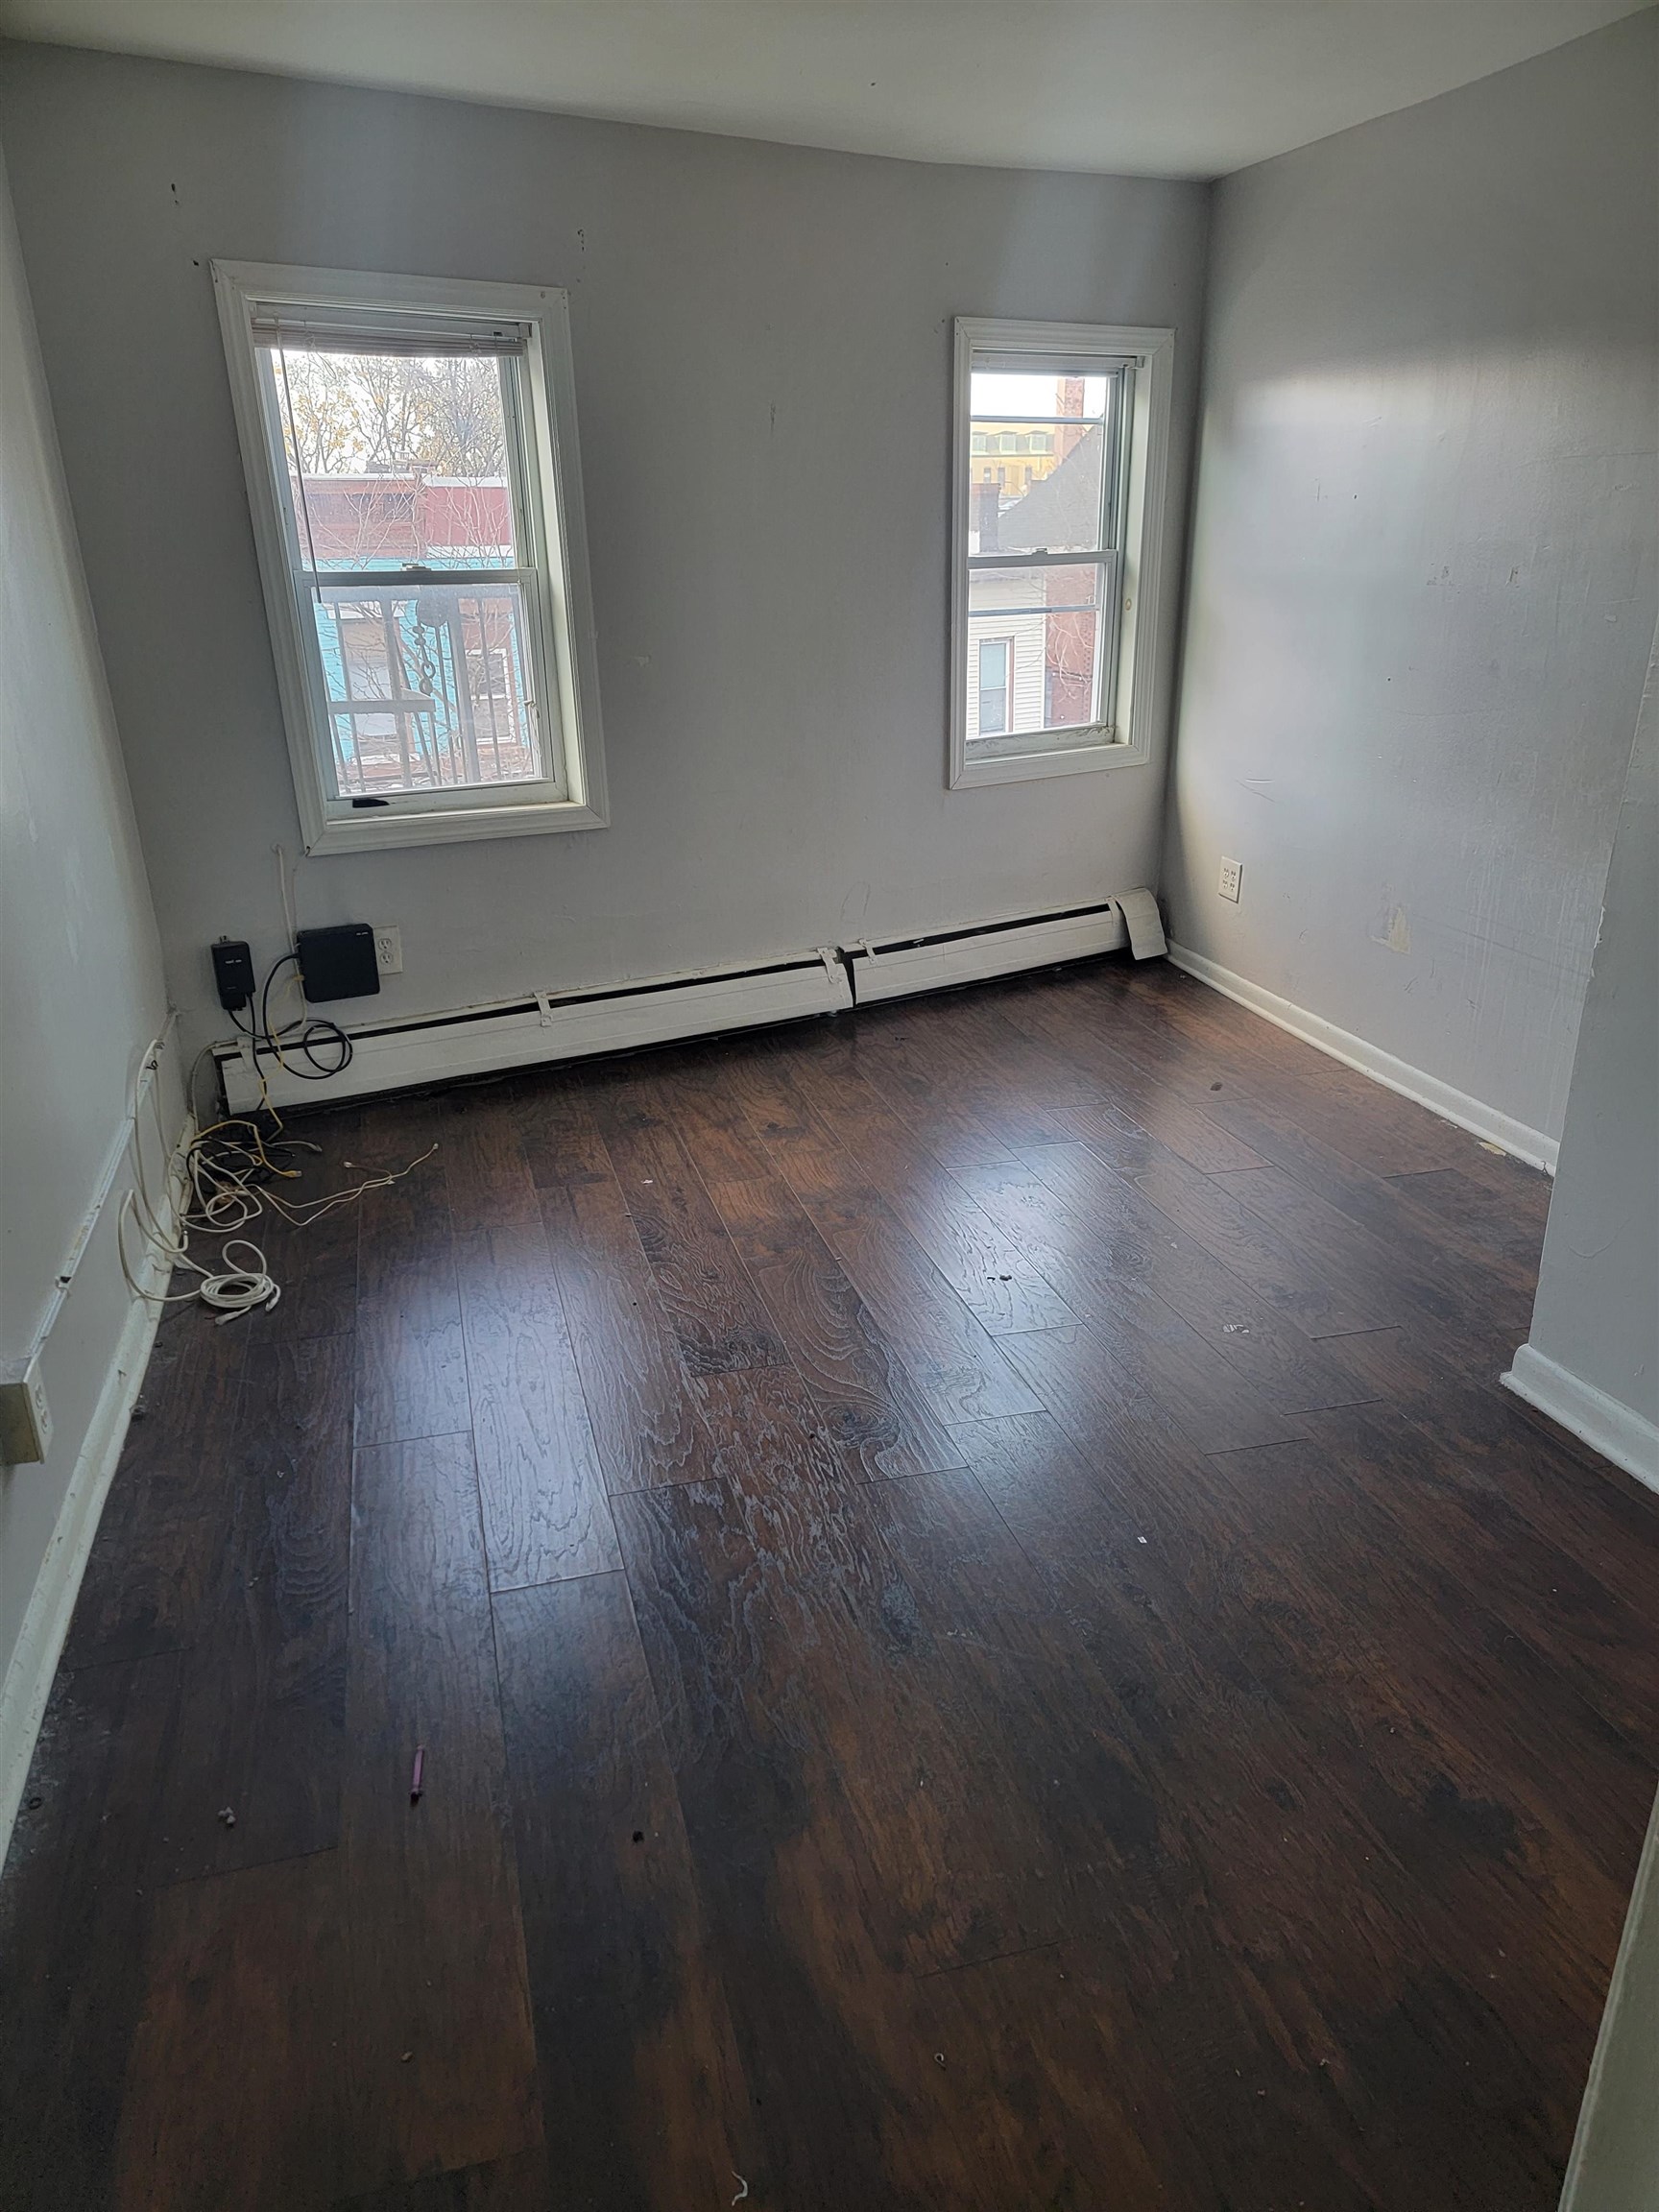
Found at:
(338, 963)
(234, 973)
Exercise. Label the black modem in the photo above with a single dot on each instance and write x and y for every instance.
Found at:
(338, 963)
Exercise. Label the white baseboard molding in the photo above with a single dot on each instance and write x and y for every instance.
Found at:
(1628, 1438)
(1452, 1105)
(34, 1661)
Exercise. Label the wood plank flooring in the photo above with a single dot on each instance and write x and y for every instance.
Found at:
(982, 1635)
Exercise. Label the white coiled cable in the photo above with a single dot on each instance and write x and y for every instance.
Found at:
(239, 1290)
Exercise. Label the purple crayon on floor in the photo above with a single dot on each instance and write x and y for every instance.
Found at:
(416, 1785)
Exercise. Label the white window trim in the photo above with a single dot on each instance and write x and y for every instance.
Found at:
(570, 649)
(1139, 704)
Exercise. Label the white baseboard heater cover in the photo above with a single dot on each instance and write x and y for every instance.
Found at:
(574, 1025)
(913, 964)
(521, 1032)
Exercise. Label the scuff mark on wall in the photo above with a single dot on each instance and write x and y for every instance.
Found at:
(1393, 928)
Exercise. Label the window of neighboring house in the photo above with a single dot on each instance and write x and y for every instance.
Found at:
(989, 707)
(410, 445)
(1058, 570)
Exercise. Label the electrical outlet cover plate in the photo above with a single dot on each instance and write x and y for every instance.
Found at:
(389, 951)
(1232, 878)
(25, 1417)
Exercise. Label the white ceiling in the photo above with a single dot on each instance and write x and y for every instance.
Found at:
(1165, 87)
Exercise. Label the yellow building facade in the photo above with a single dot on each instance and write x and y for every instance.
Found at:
(1014, 455)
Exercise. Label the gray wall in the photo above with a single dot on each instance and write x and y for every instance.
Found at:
(1597, 1317)
(1615, 2157)
(80, 992)
(1425, 563)
(762, 342)
(1597, 1313)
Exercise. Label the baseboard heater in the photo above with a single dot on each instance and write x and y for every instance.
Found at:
(905, 965)
(518, 1033)
(575, 1026)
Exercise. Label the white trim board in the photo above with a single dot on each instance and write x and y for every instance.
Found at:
(64, 1281)
(34, 1662)
(1618, 1433)
(1452, 1105)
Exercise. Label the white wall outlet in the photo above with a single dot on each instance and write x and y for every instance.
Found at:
(389, 951)
(1232, 875)
(25, 1417)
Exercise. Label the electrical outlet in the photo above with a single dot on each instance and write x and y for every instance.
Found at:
(1232, 875)
(389, 951)
(25, 1417)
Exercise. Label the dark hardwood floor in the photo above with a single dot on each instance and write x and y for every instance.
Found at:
(983, 1633)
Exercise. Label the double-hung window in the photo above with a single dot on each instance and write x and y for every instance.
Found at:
(1056, 552)
(411, 460)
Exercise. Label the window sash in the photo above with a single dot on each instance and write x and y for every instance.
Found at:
(1109, 565)
(1120, 377)
(1105, 558)
(1107, 569)
(449, 723)
(414, 579)
(347, 333)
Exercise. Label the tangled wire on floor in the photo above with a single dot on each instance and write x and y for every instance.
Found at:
(219, 1184)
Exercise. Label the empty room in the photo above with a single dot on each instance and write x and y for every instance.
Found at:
(829, 1105)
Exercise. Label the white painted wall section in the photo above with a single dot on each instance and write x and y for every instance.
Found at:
(1426, 561)
(1615, 2161)
(762, 341)
(1592, 1359)
(81, 996)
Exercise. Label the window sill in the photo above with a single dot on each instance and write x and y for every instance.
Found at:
(1027, 768)
(375, 832)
